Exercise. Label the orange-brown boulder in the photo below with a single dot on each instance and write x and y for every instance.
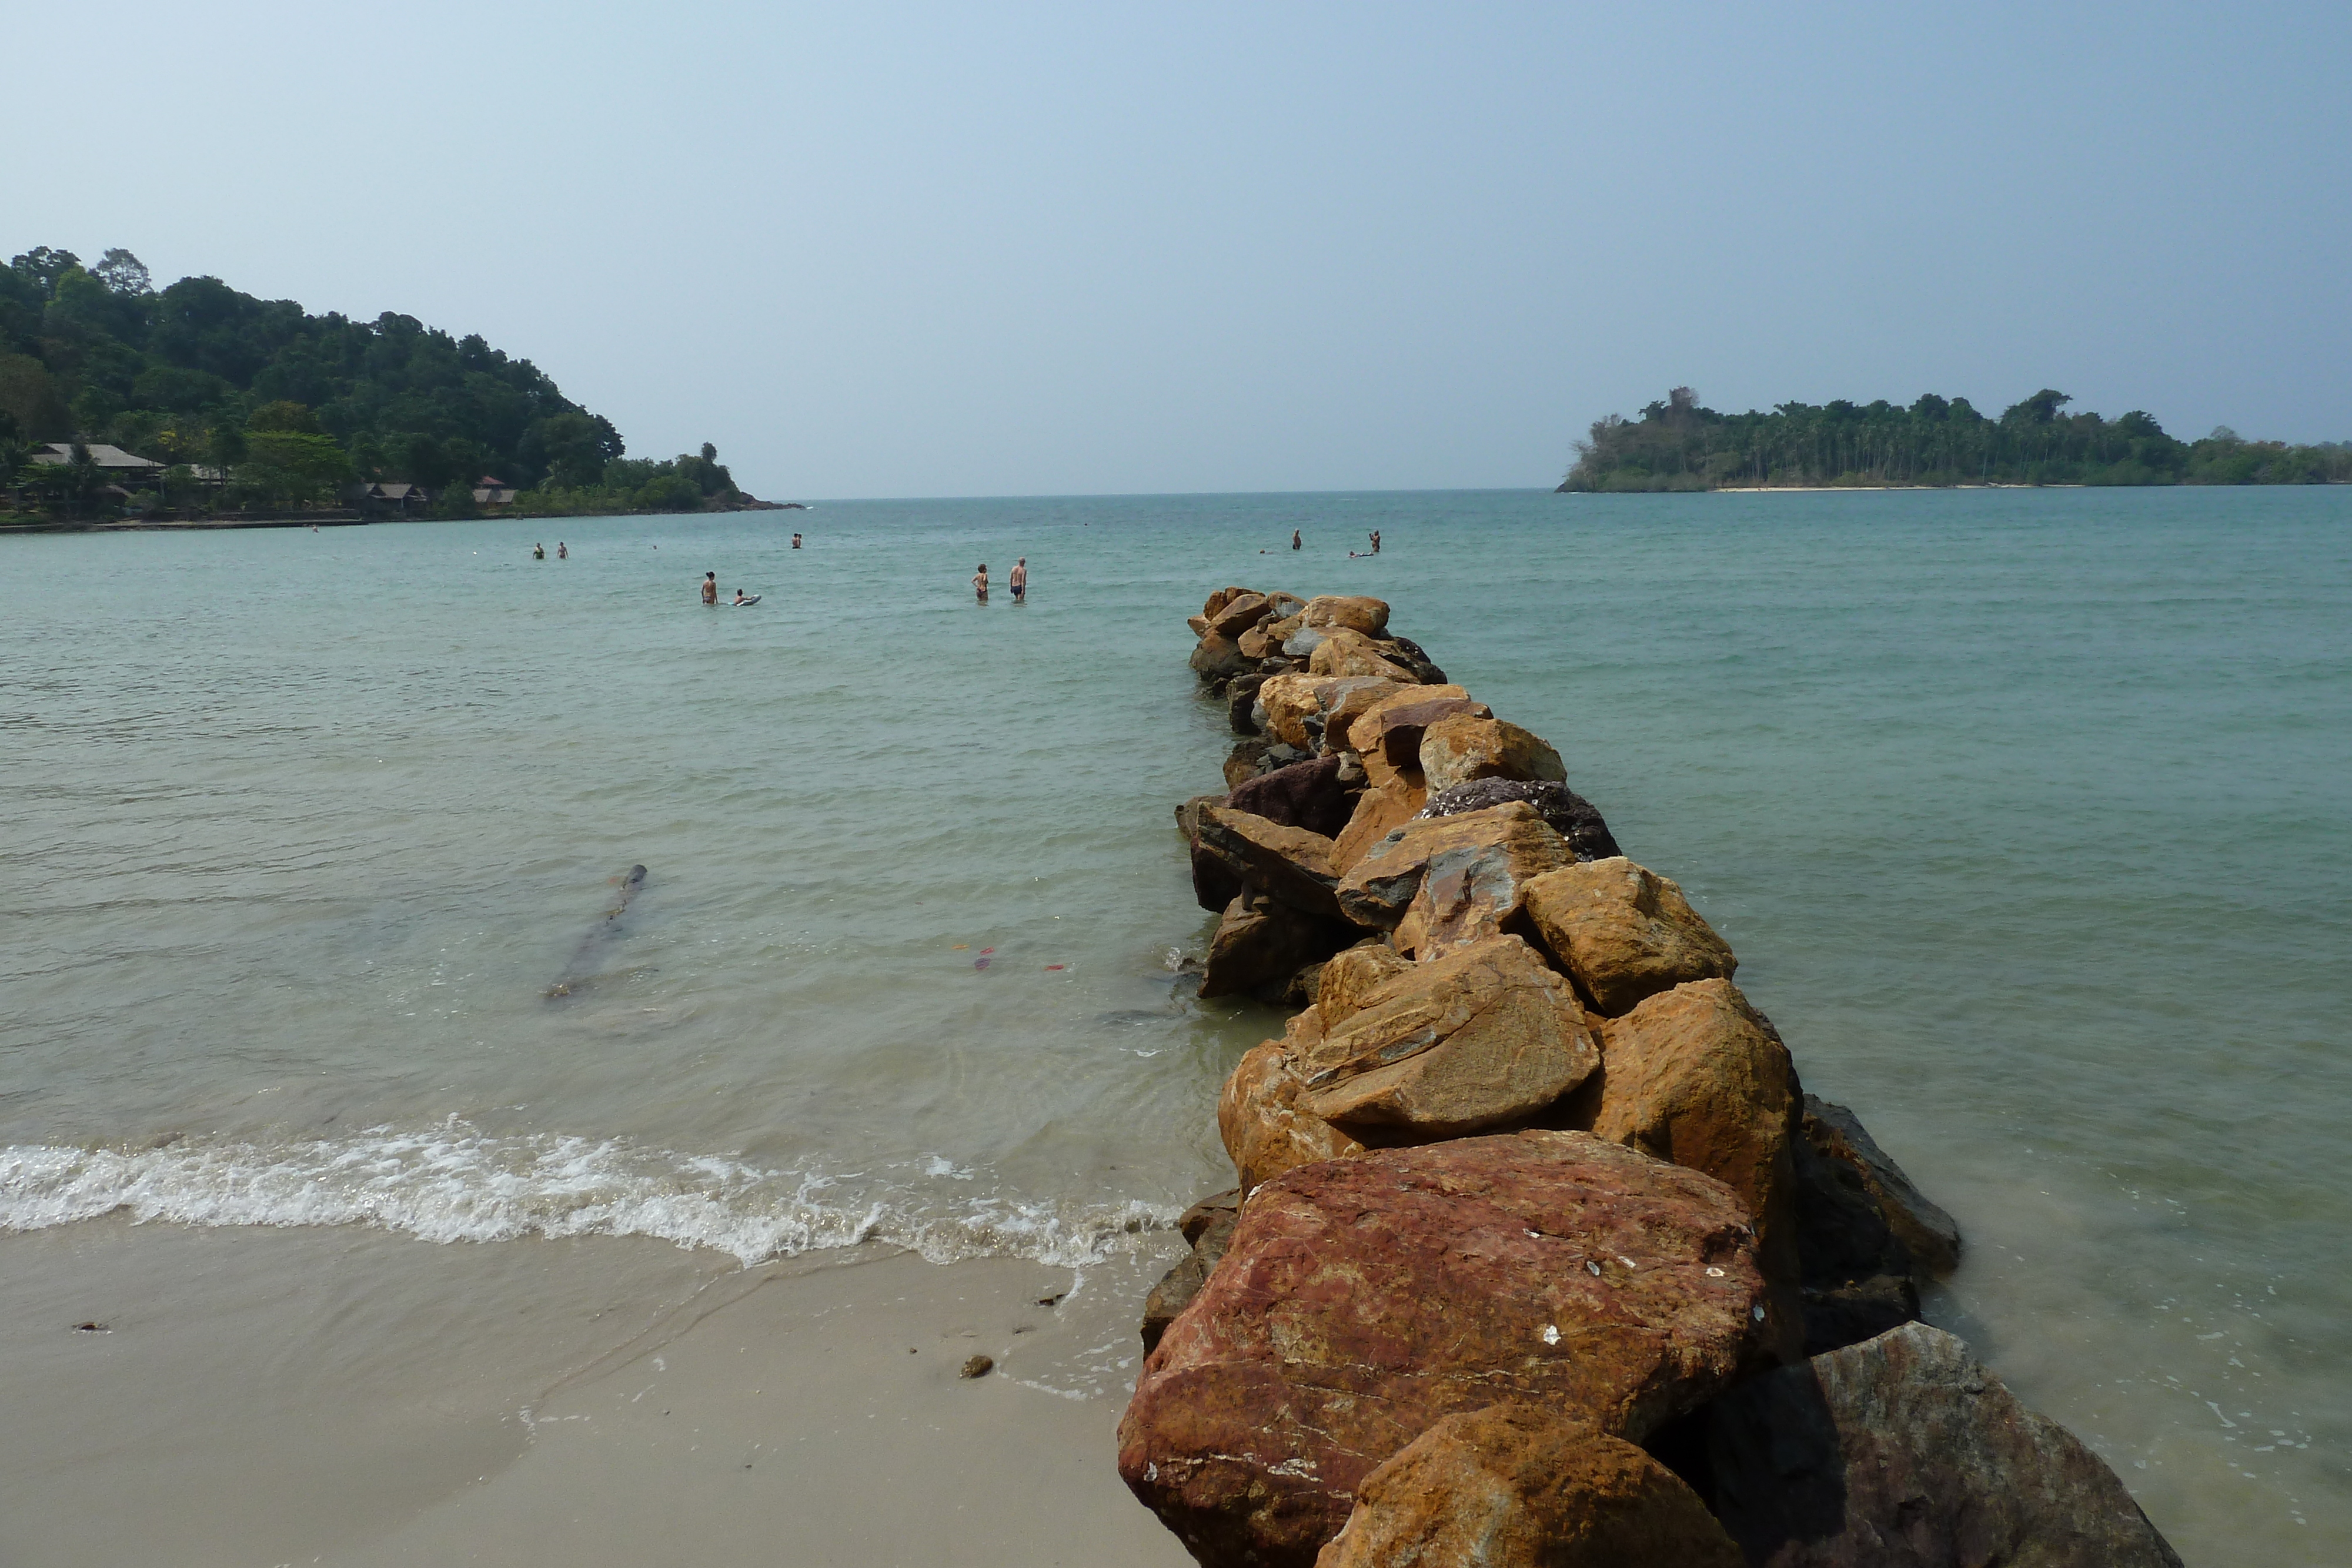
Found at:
(1352, 975)
(1343, 612)
(1393, 726)
(1513, 1486)
(1361, 1301)
(1292, 864)
(1359, 699)
(1219, 599)
(1218, 658)
(1239, 614)
(1379, 811)
(1265, 1129)
(1624, 932)
(1459, 748)
(1345, 652)
(1696, 1076)
(1479, 1038)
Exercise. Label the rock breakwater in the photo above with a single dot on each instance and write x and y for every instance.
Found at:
(1539, 1253)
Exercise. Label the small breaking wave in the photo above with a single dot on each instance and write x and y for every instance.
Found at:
(453, 1183)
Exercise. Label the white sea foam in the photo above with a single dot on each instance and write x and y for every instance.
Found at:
(454, 1184)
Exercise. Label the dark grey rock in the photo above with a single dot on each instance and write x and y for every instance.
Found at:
(1922, 1227)
(1571, 816)
(1904, 1452)
(1308, 795)
(1241, 702)
(1208, 1225)
(1214, 883)
(1262, 944)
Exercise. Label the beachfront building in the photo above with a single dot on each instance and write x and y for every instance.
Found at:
(120, 467)
(398, 495)
(490, 492)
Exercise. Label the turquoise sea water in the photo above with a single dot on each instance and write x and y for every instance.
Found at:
(2026, 811)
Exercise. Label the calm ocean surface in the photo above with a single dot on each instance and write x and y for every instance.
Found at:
(2029, 815)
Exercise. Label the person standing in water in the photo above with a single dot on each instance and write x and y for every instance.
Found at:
(796, 541)
(538, 552)
(1376, 541)
(710, 588)
(562, 550)
(1294, 538)
(1020, 580)
(980, 582)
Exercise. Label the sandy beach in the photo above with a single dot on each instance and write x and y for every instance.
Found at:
(267, 1396)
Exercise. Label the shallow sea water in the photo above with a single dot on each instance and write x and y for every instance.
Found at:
(2026, 811)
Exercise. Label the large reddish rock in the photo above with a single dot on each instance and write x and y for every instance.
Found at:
(1363, 1300)
(1239, 614)
(1207, 1228)
(1904, 1452)
(1265, 1129)
(1479, 1038)
(1380, 811)
(1515, 1487)
(1458, 750)
(1624, 931)
(1485, 859)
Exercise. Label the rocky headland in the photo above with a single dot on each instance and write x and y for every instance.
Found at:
(1539, 1253)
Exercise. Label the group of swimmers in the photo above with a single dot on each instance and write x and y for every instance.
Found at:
(1018, 581)
(1298, 543)
(711, 591)
(562, 552)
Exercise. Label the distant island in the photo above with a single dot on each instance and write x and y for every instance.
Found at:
(198, 402)
(1676, 445)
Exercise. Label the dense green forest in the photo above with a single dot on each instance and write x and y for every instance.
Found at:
(1676, 445)
(258, 403)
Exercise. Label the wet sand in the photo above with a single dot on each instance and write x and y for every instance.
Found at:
(262, 1396)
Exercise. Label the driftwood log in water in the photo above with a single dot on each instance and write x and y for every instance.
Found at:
(578, 974)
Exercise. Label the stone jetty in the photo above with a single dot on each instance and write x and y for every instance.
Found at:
(1539, 1251)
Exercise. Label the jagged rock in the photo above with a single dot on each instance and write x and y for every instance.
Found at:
(1360, 697)
(1393, 726)
(1346, 652)
(1241, 703)
(1214, 883)
(1219, 599)
(1308, 795)
(1256, 645)
(1206, 1228)
(1291, 863)
(1239, 614)
(1458, 750)
(1246, 760)
(1624, 932)
(1286, 604)
(1363, 1300)
(1925, 1231)
(1571, 816)
(1406, 652)
(1379, 811)
(1696, 1076)
(1265, 1129)
(1380, 889)
(1343, 612)
(1259, 948)
(1351, 976)
(1904, 1452)
(1482, 1038)
(1473, 885)
(1199, 624)
(1218, 658)
(1285, 704)
(1513, 1486)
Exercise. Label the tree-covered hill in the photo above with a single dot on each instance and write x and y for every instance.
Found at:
(1676, 445)
(291, 404)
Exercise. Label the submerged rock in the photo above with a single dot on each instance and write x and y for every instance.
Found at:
(1515, 1487)
(1904, 1452)
(1481, 1038)
(1925, 1231)
(1363, 1300)
(1571, 816)
(1624, 933)
(1258, 949)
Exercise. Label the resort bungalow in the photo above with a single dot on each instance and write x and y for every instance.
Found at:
(396, 494)
(490, 492)
(120, 467)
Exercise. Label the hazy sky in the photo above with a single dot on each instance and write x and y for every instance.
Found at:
(898, 251)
